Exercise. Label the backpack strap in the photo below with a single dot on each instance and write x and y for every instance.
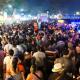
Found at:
(37, 76)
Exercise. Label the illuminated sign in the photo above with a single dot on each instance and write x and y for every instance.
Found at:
(75, 22)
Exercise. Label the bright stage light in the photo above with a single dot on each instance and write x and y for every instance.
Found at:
(35, 17)
(58, 16)
(17, 16)
(22, 9)
(78, 31)
(5, 14)
(29, 15)
(60, 21)
(1, 12)
(23, 18)
(77, 13)
(10, 6)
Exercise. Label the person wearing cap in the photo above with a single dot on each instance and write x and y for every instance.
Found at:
(62, 69)
(59, 73)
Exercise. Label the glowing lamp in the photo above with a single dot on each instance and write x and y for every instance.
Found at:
(60, 21)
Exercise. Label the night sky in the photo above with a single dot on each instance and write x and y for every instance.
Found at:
(67, 6)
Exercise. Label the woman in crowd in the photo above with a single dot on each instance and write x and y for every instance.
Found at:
(16, 71)
(35, 73)
(7, 64)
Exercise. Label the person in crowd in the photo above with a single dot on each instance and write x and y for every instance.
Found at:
(16, 70)
(4, 41)
(35, 73)
(8, 46)
(78, 57)
(40, 57)
(7, 63)
(27, 61)
(15, 49)
(66, 70)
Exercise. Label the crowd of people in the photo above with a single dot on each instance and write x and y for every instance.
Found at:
(49, 53)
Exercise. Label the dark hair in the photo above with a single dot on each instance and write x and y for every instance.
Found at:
(21, 57)
(41, 48)
(14, 63)
(11, 52)
(34, 65)
(66, 52)
(14, 43)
